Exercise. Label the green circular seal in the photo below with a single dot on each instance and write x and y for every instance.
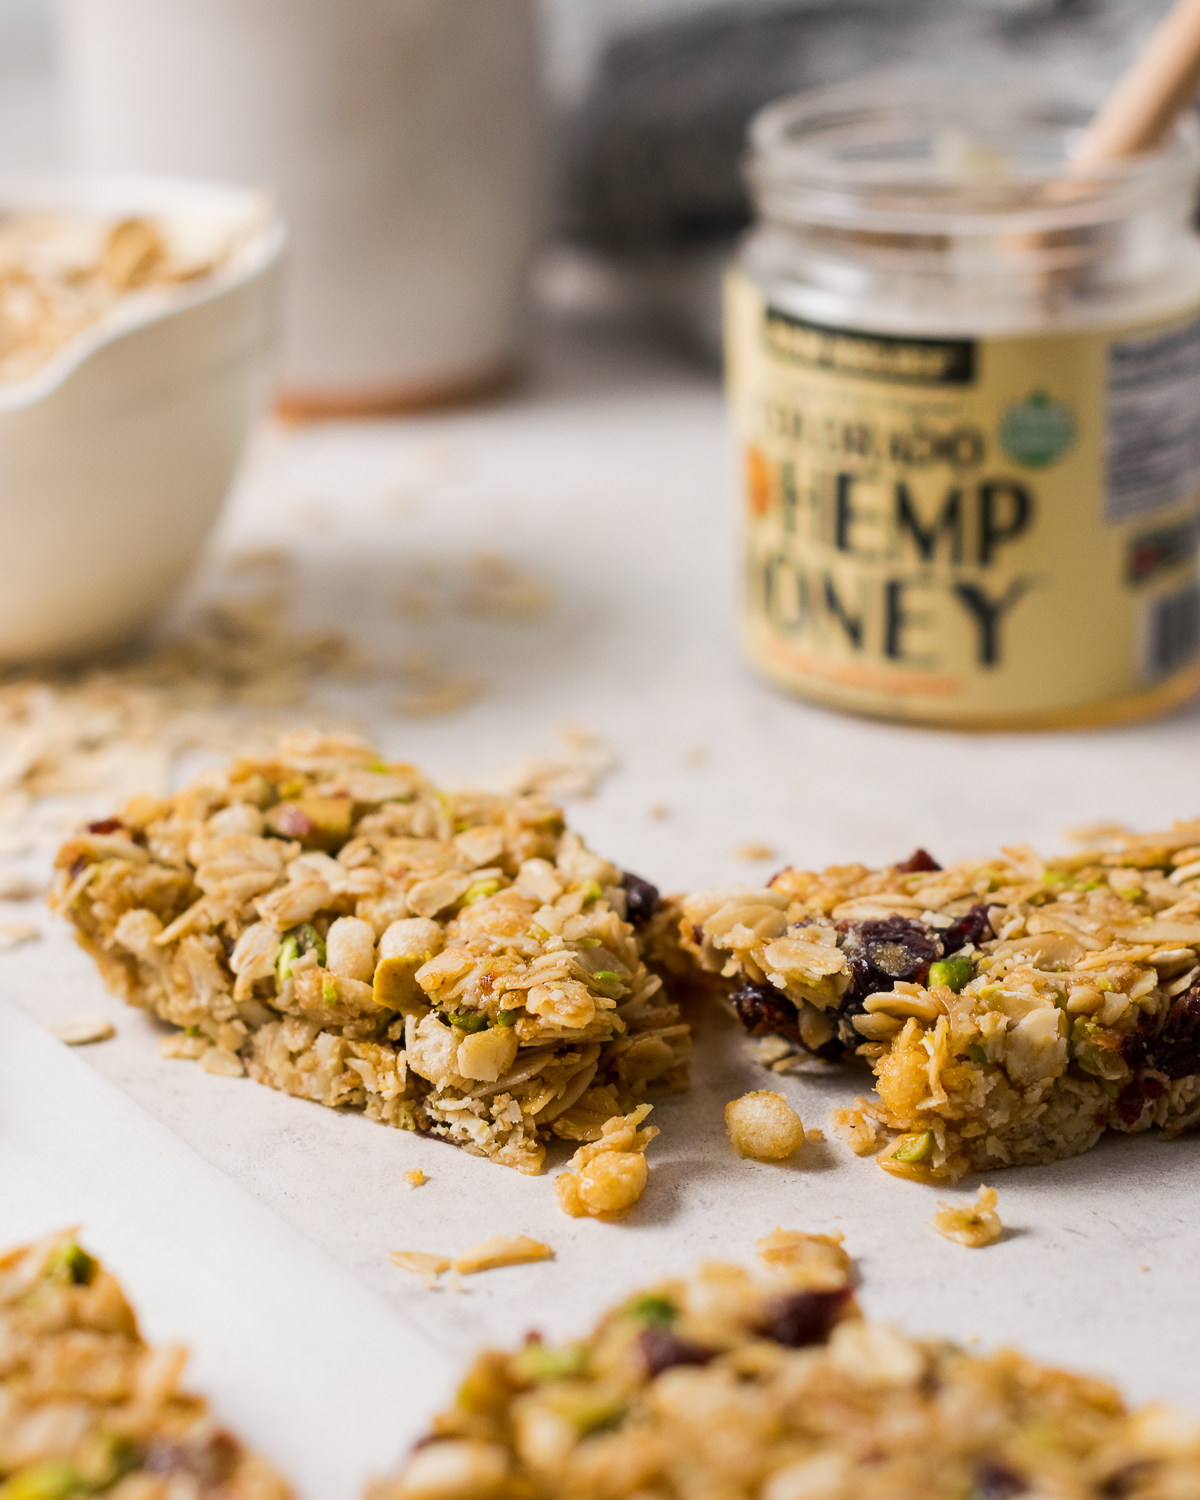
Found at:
(1037, 431)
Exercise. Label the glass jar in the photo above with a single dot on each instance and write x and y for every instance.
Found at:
(965, 378)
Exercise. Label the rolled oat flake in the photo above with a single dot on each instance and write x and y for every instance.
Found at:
(965, 378)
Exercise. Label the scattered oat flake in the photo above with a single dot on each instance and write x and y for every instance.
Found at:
(78, 1031)
(1095, 833)
(769, 1050)
(501, 1250)
(817, 1260)
(658, 811)
(444, 697)
(581, 767)
(971, 1224)
(415, 1178)
(755, 851)
(420, 1263)
(12, 933)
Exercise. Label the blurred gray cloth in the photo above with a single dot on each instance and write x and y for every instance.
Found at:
(653, 157)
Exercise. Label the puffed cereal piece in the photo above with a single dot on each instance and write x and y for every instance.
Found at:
(764, 1126)
(607, 1176)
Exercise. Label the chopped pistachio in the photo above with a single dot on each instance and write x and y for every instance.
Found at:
(191, 1031)
(478, 890)
(467, 1020)
(71, 1265)
(329, 992)
(914, 1148)
(607, 976)
(506, 1017)
(45, 1481)
(977, 1055)
(951, 973)
(536, 1362)
(651, 1308)
(302, 939)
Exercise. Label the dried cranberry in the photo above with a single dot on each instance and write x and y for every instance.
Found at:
(975, 927)
(78, 865)
(996, 1481)
(1175, 1051)
(641, 899)
(885, 950)
(917, 863)
(805, 1318)
(766, 1012)
(661, 1351)
(106, 825)
(1136, 1094)
(290, 821)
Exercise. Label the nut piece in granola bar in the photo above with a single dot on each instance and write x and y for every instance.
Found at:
(609, 1175)
(89, 1408)
(454, 963)
(764, 1126)
(722, 1384)
(971, 1224)
(1012, 1009)
(501, 1250)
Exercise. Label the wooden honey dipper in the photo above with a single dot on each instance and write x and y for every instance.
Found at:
(1156, 87)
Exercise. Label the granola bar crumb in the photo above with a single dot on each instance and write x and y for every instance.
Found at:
(814, 1136)
(416, 1178)
(769, 1050)
(14, 933)
(861, 1133)
(971, 1224)
(753, 851)
(78, 1031)
(811, 1260)
(501, 1250)
(764, 1126)
(608, 1175)
(658, 811)
(427, 1268)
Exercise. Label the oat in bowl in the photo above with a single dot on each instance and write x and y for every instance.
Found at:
(454, 963)
(138, 333)
(90, 1408)
(723, 1386)
(1012, 1009)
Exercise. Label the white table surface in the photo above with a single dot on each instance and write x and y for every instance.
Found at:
(609, 478)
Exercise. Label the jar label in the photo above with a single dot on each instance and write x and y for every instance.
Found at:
(967, 530)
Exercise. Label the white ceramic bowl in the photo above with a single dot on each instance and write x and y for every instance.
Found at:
(116, 455)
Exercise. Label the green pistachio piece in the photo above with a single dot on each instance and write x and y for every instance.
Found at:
(914, 1148)
(537, 1363)
(506, 1017)
(45, 1481)
(951, 973)
(70, 1265)
(467, 1020)
(651, 1308)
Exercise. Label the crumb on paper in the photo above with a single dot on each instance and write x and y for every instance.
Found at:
(816, 1260)
(415, 1178)
(763, 1126)
(658, 811)
(501, 1250)
(16, 886)
(1095, 833)
(1143, 1268)
(500, 590)
(768, 1050)
(189, 1045)
(78, 1031)
(441, 696)
(427, 1268)
(581, 766)
(814, 1136)
(753, 851)
(265, 559)
(696, 756)
(861, 1133)
(13, 933)
(971, 1224)
(608, 1175)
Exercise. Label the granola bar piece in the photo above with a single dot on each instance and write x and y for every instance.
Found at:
(1012, 1009)
(87, 1407)
(721, 1386)
(456, 963)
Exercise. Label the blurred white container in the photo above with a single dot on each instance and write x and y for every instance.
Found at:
(116, 455)
(401, 137)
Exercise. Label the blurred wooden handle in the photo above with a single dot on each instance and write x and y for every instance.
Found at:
(1157, 86)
